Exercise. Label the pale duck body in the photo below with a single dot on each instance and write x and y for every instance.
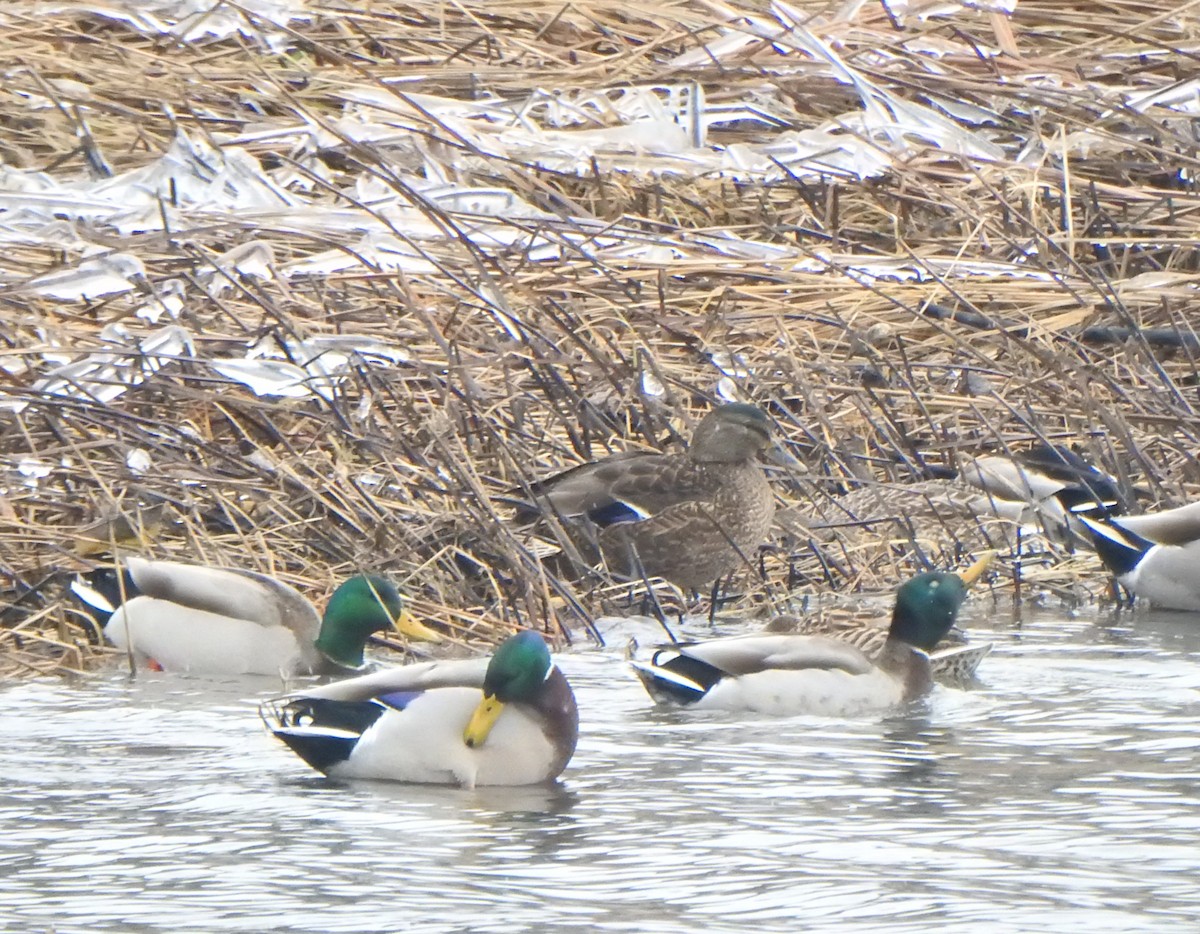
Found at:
(792, 674)
(199, 619)
(828, 679)
(460, 722)
(214, 620)
(423, 743)
(199, 641)
(780, 675)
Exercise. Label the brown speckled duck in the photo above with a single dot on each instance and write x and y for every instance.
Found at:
(689, 518)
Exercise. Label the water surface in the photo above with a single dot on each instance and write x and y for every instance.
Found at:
(1061, 792)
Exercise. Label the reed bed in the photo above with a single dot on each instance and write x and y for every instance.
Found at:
(891, 321)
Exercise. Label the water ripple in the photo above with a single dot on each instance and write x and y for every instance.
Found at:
(1062, 790)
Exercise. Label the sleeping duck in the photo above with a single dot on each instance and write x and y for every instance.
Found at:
(1050, 484)
(507, 720)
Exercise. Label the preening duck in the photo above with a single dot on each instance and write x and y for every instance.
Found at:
(186, 617)
(510, 720)
(790, 674)
(689, 518)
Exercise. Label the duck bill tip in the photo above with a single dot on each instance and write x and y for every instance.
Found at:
(977, 570)
(482, 721)
(780, 456)
(408, 625)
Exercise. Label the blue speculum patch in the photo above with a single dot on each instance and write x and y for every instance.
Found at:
(399, 699)
(614, 513)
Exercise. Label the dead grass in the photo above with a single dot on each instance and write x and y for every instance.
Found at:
(518, 368)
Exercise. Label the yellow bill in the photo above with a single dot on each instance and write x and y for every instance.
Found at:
(482, 721)
(408, 625)
(975, 571)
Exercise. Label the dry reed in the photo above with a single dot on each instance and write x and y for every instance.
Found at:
(516, 368)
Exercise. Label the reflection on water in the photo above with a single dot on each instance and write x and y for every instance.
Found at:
(1061, 792)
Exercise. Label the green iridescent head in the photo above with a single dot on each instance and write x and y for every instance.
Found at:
(361, 606)
(517, 673)
(927, 606)
(518, 669)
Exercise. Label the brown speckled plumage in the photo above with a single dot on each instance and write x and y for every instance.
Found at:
(699, 514)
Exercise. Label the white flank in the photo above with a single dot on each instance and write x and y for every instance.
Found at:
(424, 743)
(827, 693)
(183, 639)
(1167, 577)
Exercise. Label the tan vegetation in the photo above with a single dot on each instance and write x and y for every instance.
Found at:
(516, 365)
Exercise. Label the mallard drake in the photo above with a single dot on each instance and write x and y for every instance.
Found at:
(689, 518)
(1155, 556)
(790, 674)
(185, 617)
(510, 720)
(954, 659)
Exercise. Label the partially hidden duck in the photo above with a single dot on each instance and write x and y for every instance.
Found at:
(1155, 555)
(507, 720)
(186, 617)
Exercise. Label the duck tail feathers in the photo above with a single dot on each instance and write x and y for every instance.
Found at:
(665, 686)
(101, 591)
(1120, 549)
(320, 731)
(1088, 501)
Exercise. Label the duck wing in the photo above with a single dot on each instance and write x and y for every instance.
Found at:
(743, 655)
(1006, 479)
(425, 676)
(227, 592)
(1077, 476)
(625, 488)
(1179, 526)
(584, 489)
